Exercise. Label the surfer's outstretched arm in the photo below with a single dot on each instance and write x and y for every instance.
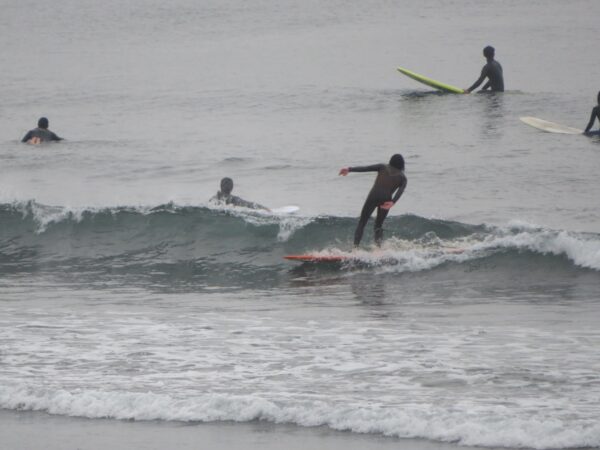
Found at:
(237, 201)
(372, 168)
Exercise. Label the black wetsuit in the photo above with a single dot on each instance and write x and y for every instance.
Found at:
(389, 180)
(229, 199)
(493, 72)
(43, 134)
(595, 113)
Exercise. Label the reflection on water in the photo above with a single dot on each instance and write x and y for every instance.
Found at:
(492, 115)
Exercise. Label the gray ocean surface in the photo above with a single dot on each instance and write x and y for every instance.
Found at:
(125, 294)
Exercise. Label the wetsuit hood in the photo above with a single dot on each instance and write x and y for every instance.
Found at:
(43, 123)
(489, 52)
(397, 161)
(226, 185)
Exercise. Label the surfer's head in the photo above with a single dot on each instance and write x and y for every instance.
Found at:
(226, 185)
(397, 161)
(43, 123)
(489, 52)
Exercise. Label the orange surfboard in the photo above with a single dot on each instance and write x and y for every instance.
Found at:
(316, 258)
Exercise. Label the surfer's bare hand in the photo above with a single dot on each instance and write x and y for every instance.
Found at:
(466, 91)
(386, 205)
(344, 171)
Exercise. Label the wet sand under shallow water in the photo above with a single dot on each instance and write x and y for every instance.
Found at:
(25, 430)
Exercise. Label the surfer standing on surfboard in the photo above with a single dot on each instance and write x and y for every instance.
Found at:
(492, 71)
(387, 189)
(41, 133)
(595, 114)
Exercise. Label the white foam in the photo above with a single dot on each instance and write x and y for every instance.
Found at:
(399, 377)
(410, 256)
(406, 256)
(288, 223)
(466, 424)
(583, 250)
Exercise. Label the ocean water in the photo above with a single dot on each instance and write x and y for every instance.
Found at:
(125, 294)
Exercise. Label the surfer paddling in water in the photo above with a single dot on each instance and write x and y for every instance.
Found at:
(595, 114)
(224, 197)
(492, 71)
(40, 134)
(387, 189)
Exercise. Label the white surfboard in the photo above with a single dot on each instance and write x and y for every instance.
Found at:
(548, 126)
(290, 209)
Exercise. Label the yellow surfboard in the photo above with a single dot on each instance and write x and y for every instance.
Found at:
(430, 82)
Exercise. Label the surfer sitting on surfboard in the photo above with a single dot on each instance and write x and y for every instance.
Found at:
(595, 114)
(492, 71)
(224, 197)
(40, 134)
(390, 179)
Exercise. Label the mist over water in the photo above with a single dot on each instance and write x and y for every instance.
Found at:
(125, 294)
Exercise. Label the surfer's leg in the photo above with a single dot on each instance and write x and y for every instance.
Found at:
(366, 212)
(381, 215)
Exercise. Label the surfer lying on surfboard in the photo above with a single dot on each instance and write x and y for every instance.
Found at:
(387, 189)
(595, 114)
(40, 134)
(224, 197)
